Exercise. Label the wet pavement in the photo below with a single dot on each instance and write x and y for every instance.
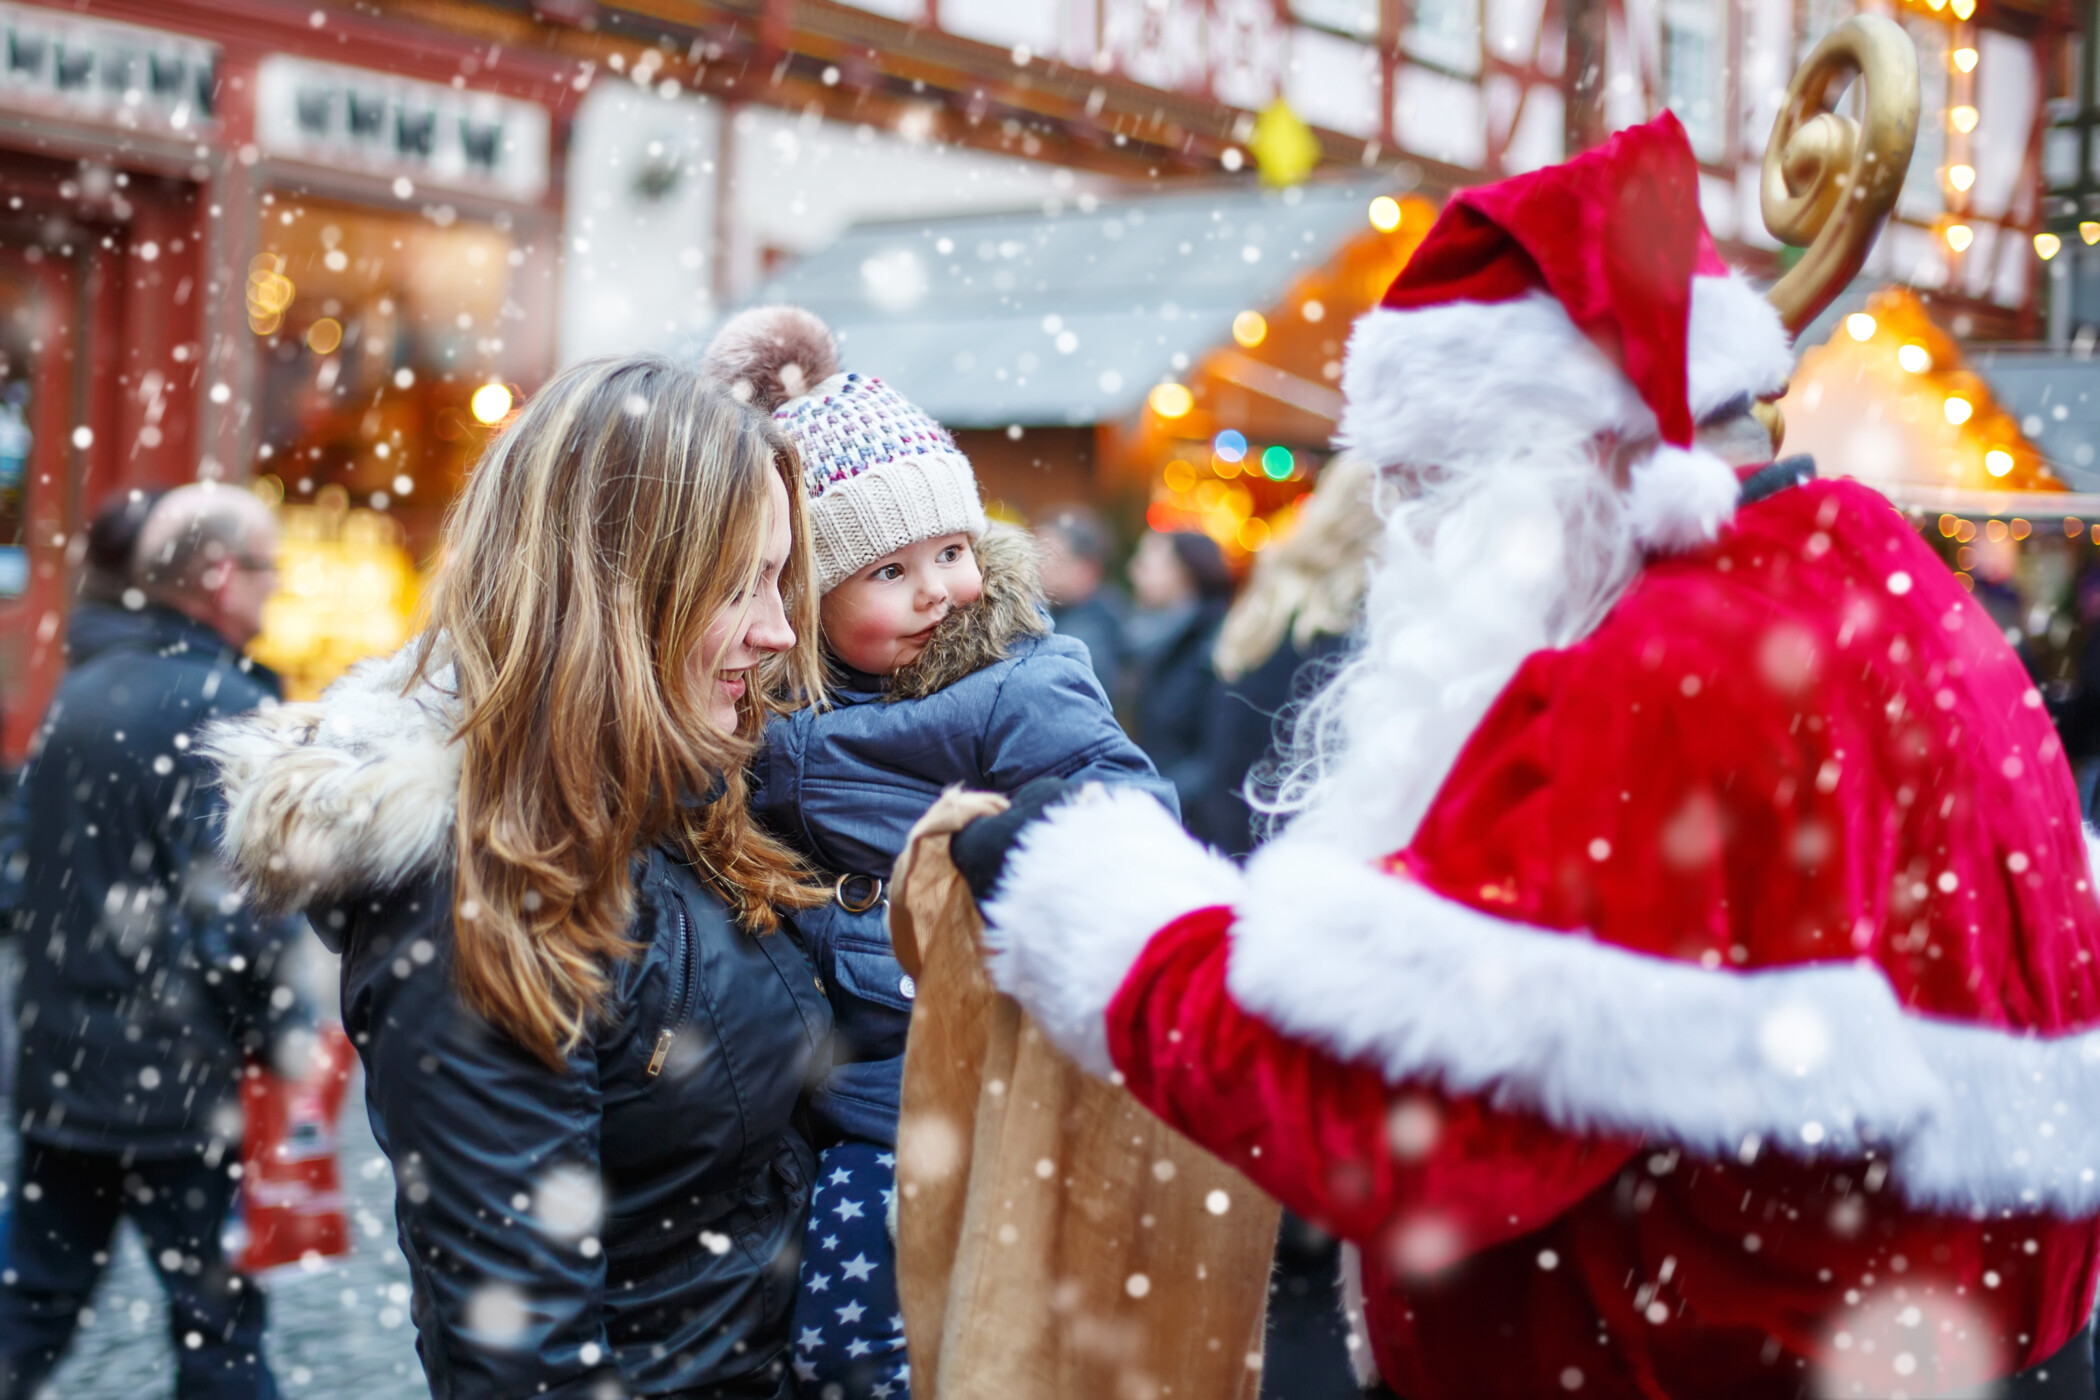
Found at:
(342, 1331)
(338, 1333)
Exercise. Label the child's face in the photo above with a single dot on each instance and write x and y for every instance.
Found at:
(881, 617)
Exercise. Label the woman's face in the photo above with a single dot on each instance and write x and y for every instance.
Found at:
(1157, 579)
(752, 626)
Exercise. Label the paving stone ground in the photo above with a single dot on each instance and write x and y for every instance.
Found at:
(338, 1334)
(341, 1333)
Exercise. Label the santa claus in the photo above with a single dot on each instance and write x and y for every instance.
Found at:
(1676, 974)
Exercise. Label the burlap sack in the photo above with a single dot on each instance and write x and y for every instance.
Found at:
(1055, 1241)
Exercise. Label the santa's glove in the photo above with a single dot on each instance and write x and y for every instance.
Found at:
(980, 849)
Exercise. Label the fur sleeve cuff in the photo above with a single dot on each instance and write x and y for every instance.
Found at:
(1084, 892)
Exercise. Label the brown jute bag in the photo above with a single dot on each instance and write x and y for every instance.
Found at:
(1055, 1240)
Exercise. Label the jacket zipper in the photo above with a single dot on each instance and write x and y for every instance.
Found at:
(681, 967)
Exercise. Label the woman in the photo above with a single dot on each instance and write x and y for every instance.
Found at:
(1181, 586)
(583, 1040)
(1284, 637)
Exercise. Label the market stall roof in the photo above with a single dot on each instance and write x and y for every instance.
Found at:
(1894, 400)
(1067, 316)
(2055, 393)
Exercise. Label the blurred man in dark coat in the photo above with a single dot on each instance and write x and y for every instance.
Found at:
(144, 979)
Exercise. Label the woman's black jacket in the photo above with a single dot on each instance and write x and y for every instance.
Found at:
(625, 1225)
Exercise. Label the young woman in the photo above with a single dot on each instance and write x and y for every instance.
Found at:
(583, 1039)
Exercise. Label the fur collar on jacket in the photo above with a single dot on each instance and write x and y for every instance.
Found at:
(355, 793)
(974, 637)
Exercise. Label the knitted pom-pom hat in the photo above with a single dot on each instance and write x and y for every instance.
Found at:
(879, 473)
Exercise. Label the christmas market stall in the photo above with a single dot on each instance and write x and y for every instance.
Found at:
(1171, 358)
(1989, 451)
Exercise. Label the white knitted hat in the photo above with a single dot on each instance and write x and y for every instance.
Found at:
(879, 473)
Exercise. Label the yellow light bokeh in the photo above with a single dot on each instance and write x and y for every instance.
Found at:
(1385, 213)
(1860, 326)
(2089, 230)
(2047, 245)
(1949, 526)
(1253, 534)
(1915, 358)
(1963, 8)
(490, 403)
(1957, 409)
(1961, 176)
(1959, 237)
(1179, 475)
(1171, 400)
(1965, 60)
(324, 335)
(1962, 118)
(1250, 328)
(1997, 461)
(2021, 529)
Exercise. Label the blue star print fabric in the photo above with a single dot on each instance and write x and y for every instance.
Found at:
(849, 1329)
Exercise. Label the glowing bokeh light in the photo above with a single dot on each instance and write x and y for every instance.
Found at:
(1958, 409)
(1860, 326)
(1230, 444)
(1915, 358)
(1172, 400)
(490, 403)
(1277, 462)
(1385, 213)
(1997, 461)
(1250, 328)
(2047, 245)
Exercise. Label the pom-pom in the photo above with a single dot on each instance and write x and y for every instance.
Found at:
(770, 354)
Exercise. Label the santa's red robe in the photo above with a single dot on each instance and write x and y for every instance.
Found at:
(1725, 1020)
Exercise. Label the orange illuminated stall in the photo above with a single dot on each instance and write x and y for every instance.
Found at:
(1230, 446)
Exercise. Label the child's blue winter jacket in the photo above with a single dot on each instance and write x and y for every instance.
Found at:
(993, 703)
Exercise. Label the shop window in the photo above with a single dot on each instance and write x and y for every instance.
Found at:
(1446, 33)
(378, 337)
(1924, 196)
(1695, 86)
(18, 323)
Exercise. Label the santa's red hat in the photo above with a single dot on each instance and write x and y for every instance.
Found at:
(1585, 297)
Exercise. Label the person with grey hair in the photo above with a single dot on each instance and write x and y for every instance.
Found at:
(145, 981)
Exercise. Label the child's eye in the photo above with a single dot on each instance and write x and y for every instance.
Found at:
(888, 572)
(952, 553)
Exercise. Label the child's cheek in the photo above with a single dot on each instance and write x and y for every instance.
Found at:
(859, 631)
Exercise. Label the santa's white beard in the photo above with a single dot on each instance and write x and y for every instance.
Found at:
(1482, 564)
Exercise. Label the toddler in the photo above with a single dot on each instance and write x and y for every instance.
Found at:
(943, 670)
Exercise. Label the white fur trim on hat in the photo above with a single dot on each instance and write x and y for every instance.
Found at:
(1679, 499)
(1453, 383)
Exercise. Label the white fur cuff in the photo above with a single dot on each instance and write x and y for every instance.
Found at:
(1083, 894)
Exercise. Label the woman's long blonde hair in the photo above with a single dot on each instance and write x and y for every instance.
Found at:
(621, 510)
(1311, 582)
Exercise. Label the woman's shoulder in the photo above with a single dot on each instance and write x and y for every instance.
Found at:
(335, 799)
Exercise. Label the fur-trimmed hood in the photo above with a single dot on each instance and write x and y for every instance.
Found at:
(351, 794)
(974, 637)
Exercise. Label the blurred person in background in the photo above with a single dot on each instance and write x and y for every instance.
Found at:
(1182, 588)
(2078, 715)
(1084, 605)
(97, 620)
(1282, 636)
(1281, 641)
(145, 979)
